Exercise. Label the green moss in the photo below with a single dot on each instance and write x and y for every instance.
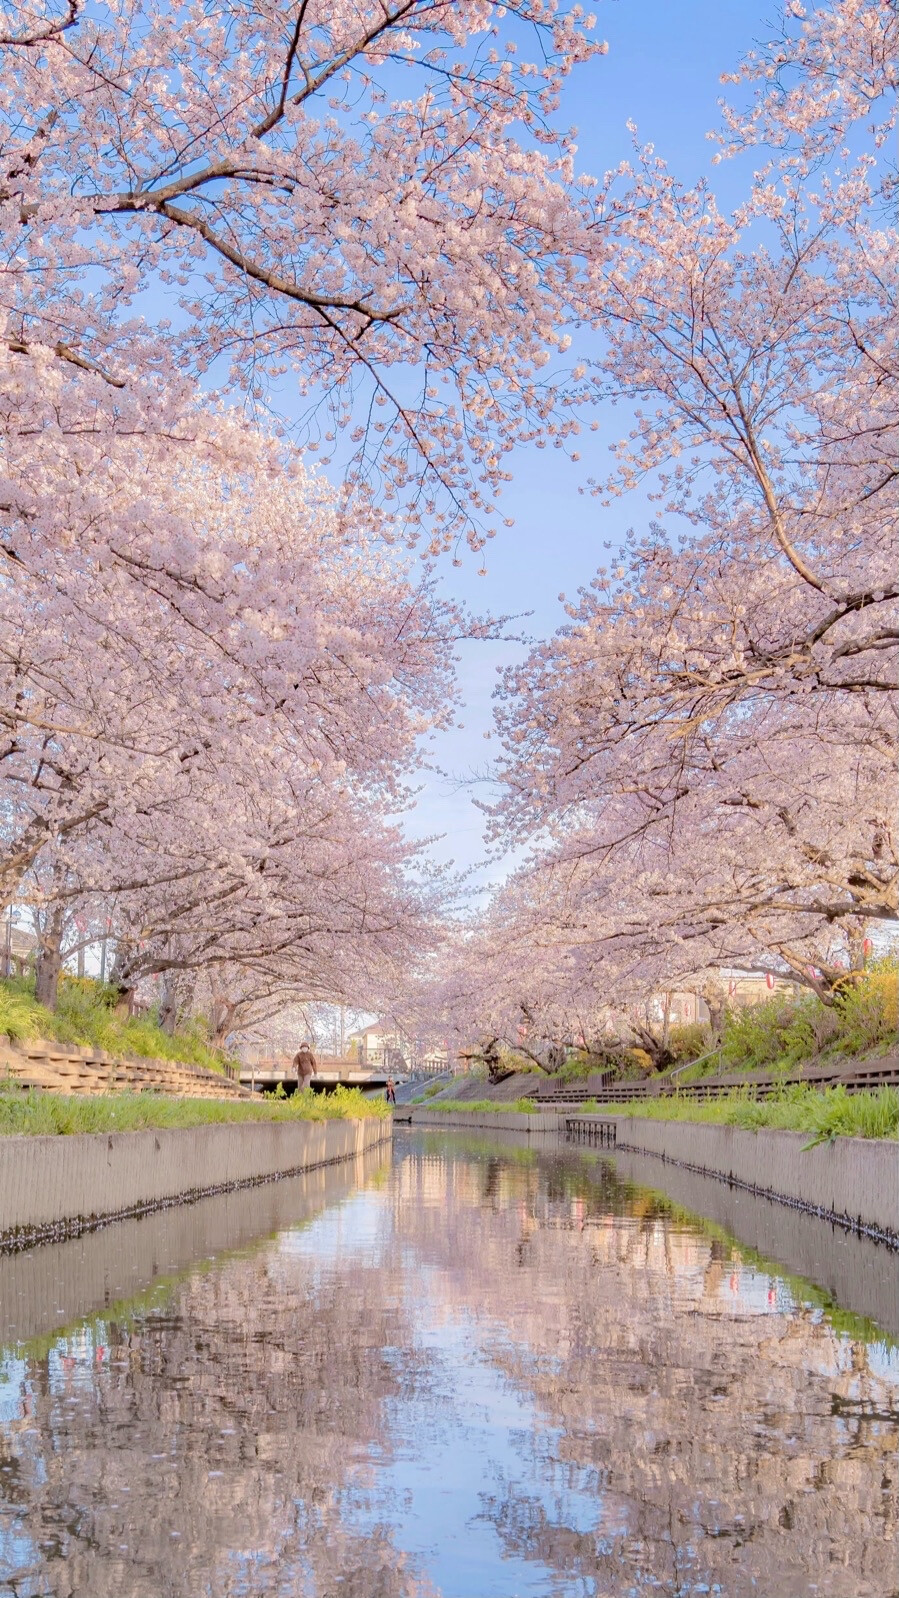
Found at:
(40, 1114)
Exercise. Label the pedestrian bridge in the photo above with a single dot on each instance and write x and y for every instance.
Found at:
(333, 1071)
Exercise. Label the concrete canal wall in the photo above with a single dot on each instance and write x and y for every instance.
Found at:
(52, 1187)
(43, 1290)
(850, 1270)
(853, 1180)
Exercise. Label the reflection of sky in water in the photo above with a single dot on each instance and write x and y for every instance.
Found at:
(884, 1361)
(12, 1375)
(481, 1378)
(475, 1422)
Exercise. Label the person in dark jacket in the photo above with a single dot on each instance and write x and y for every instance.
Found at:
(304, 1061)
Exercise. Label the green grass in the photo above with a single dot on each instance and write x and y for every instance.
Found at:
(85, 1017)
(803, 1108)
(788, 1032)
(37, 1114)
(429, 1092)
(515, 1106)
(825, 1115)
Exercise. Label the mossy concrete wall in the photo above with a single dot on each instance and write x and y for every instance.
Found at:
(853, 1179)
(46, 1289)
(59, 1186)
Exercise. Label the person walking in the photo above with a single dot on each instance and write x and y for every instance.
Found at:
(304, 1061)
(391, 1091)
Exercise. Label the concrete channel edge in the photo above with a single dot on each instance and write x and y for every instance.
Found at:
(58, 1187)
(851, 1182)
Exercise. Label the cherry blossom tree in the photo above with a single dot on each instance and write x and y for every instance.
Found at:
(828, 68)
(213, 751)
(372, 196)
(273, 626)
(629, 725)
(764, 381)
(705, 756)
(311, 898)
(695, 815)
(250, 881)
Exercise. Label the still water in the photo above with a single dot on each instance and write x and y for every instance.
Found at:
(467, 1370)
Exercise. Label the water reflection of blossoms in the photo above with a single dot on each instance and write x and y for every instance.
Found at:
(725, 1430)
(625, 1401)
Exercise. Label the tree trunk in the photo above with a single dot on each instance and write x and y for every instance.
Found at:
(657, 1049)
(717, 1009)
(491, 1057)
(717, 1004)
(121, 979)
(49, 958)
(168, 1009)
(222, 1024)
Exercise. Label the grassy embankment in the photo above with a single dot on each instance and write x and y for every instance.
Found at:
(777, 1038)
(790, 1032)
(85, 1017)
(39, 1114)
(828, 1114)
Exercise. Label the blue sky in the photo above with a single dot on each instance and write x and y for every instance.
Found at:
(662, 72)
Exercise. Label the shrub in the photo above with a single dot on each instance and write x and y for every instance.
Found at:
(85, 1016)
(579, 1066)
(787, 1032)
(688, 1041)
(489, 1106)
(510, 1060)
(760, 1036)
(869, 1013)
(621, 1063)
(20, 1016)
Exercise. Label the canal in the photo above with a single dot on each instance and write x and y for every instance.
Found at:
(464, 1369)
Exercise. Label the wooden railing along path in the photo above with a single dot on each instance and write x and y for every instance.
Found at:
(854, 1077)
